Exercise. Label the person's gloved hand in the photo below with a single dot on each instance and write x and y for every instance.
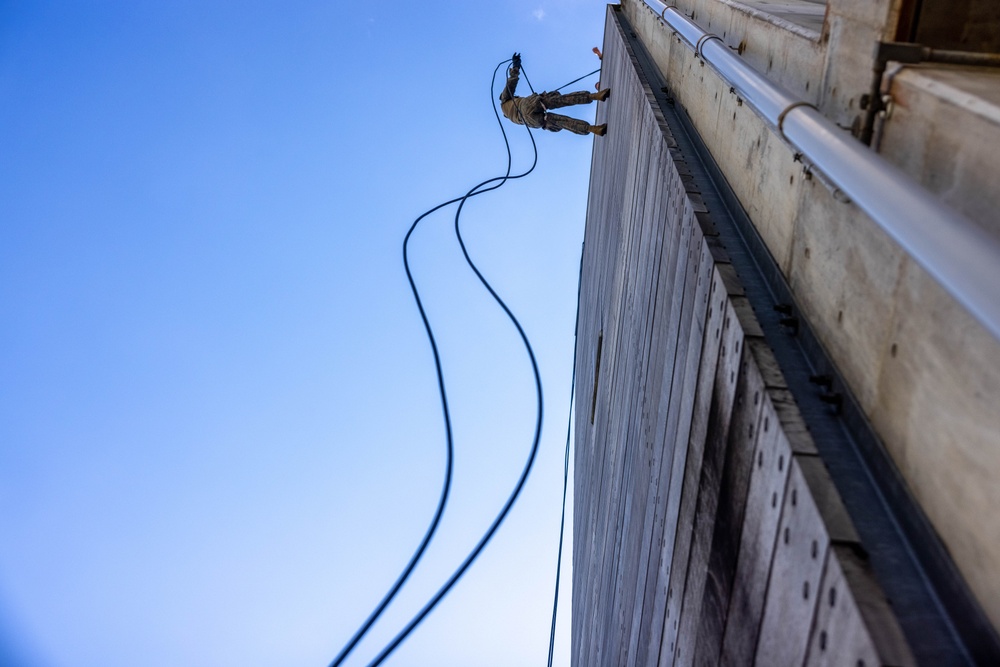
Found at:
(517, 61)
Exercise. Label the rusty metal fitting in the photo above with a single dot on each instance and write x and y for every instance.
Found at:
(701, 40)
(784, 112)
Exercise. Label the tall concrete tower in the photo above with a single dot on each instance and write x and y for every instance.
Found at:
(788, 350)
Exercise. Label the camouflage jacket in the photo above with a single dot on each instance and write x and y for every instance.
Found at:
(521, 110)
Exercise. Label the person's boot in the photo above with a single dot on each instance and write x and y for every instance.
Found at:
(599, 130)
(603, 95)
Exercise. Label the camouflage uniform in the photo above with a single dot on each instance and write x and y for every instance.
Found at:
(533, 109)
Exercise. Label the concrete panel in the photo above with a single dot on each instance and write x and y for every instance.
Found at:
(744, 432)
(695, 526)
(846, 272)
(681, 476)
(853, 623)
(762, 168)
(791, 14)
(850, 55)
(789, 53)
(937, 402)
(678, 407)
(686, 465)
(943, 130)
(795, 574)
(765, 498)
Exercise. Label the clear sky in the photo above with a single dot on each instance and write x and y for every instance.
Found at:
(220, 437)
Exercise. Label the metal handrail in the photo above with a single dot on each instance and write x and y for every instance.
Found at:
(962, 256)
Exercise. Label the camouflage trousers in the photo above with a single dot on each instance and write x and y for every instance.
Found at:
(535, 111)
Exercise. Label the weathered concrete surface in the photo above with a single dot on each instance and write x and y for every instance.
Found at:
(706, 528)
(807, 14)
(924, 371)
(944, 130)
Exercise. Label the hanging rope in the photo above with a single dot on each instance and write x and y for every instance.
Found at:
(525, 75)
(443, 591)
(445, 491)
(569, 428)
(562, 86)
(486, 186)
(575, 80)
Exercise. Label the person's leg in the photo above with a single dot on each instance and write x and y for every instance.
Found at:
(555, 122)
(557, 100)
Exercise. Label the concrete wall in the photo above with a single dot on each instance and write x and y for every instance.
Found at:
(706, 528)
(926, 374)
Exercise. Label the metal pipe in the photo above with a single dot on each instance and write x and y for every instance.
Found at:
(961, 58)
(962, 256)
(909, 53)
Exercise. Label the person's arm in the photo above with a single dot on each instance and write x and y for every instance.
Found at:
(512, 76)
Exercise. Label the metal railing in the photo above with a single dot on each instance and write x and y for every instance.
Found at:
(962, 256)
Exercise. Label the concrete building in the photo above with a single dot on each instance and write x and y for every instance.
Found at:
(788, 350)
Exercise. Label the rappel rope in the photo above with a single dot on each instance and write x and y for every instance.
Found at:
(579, 79)
(569, 429)
(562, 86)
(446, 488)
(479, 189)
(453, 579)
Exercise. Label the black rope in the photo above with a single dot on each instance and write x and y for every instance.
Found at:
(562, 86)
(524, 74)
(478, 190)
(575, 80)
(443, 591)
(569, 427)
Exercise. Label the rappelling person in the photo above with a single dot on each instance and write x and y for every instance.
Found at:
(533, 110)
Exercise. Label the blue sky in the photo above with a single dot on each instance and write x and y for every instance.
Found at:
(220, 437)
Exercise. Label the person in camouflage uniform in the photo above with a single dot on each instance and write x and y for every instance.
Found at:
(533, 110)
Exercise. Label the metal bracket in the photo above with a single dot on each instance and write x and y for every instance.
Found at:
(784, 112)
(887, 107)
(908, 53)
(701, 40)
